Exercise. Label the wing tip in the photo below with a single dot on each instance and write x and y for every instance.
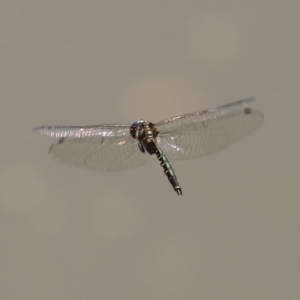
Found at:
(43, 130)
(243, 101)
(39, 129)
(237, 105)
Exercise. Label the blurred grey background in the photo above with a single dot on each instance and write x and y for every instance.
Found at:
(71, 233)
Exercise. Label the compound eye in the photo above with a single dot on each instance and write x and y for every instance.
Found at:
(134, 129)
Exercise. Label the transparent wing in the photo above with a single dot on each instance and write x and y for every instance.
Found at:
(104, 147)
(198, 134)
(111, 130)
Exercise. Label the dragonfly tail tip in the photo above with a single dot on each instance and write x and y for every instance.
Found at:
(178, 190)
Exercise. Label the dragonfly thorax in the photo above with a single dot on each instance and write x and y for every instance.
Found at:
(144, 132)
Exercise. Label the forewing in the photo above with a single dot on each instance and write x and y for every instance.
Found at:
(198, 134)
(111, 130)
(107, 147)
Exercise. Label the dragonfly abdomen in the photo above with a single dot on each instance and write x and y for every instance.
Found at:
(168, 170)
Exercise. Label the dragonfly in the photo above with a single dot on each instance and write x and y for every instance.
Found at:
(189, 136)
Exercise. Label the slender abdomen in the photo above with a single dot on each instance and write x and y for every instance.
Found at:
(167, 169)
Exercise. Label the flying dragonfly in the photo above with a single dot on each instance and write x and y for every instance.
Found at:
(117, 147)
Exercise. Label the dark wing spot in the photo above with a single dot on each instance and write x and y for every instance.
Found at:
(61, 140)
(247, 111)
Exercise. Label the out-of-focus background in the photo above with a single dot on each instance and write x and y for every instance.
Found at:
(72, 233)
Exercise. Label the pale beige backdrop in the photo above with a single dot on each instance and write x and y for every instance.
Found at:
(71, 233)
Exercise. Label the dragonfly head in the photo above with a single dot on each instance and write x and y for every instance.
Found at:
(137, 128)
